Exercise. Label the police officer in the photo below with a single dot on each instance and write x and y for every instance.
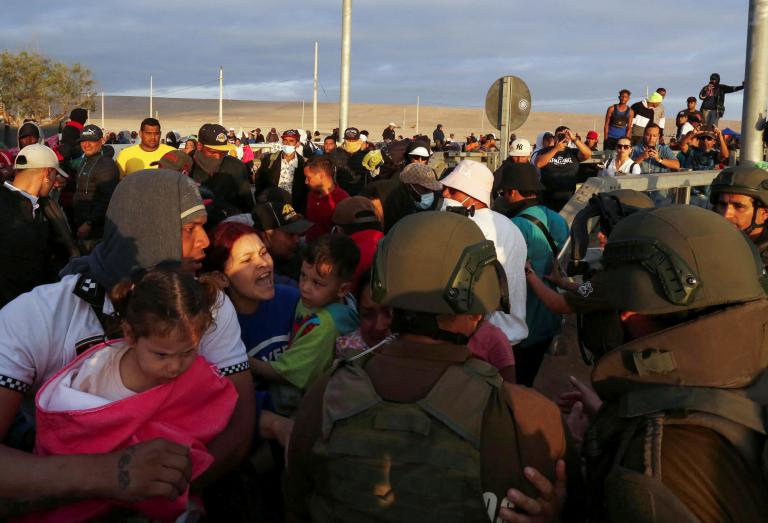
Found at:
(680, 436)
(400, 436)
(740, 195)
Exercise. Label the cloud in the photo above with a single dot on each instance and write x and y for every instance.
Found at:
(573, 56)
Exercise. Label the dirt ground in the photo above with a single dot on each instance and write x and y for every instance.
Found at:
(186, 115)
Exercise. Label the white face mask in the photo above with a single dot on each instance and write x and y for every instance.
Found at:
(447, 202)
(289, 149)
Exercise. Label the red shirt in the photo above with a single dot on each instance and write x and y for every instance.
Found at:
(320, 211)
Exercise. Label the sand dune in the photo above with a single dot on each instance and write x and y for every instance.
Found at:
(186, 115)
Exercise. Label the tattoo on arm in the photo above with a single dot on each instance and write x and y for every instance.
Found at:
(123, 477)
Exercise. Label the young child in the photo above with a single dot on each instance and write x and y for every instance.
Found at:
(327, 271)
(151, 384)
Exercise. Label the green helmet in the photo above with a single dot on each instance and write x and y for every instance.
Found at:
(439, 263)
(749, 181)
(678, 258)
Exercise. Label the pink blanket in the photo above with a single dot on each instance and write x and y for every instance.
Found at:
(190, 410)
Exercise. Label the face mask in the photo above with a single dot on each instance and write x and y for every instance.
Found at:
(289, 149)
(425, 201)
(447, 202)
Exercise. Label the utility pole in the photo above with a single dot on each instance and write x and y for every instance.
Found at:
(150, 96)
(102, 109)
(221, 95)
(417, 115)
(346, 52)
(302, 117)
(314, 96)
(753, 112)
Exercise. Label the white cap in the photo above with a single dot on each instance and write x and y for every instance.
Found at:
(520, 147)
(37, 156)
(392, 124)
(472, 178)
(363, 138)
(419, 151)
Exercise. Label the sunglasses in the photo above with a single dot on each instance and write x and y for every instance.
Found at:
(623, 146)
(708, 138)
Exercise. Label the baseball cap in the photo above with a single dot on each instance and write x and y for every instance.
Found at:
(419, 151)
(520, 147)
(490, 136)
(175, 161)
(472, 178)
(91, 133)
(351, 133)
(592, 135)
(691, 99)
(354, 210)
(273, 215)
(420, 174)
(655, 98)
(290, 133)
(37, 156)
(521, 176)
(214, 137)
(392, 124)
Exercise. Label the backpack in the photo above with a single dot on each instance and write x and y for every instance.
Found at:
(384, 461)
(678, 376)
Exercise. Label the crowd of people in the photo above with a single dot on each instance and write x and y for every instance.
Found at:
(344, 330)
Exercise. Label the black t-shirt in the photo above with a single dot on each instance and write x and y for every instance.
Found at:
(559, 175)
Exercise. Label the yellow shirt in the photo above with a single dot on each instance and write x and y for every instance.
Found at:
(134, 158)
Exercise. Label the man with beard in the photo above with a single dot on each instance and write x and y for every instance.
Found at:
(224, 175)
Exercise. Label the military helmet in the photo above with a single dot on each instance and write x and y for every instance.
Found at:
(678, 258)
(440, 263)
(746, 180)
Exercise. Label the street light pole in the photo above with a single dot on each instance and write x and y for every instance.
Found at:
(753, 113)
(346, 52)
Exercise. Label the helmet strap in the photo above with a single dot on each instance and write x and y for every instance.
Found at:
(424, 324)
(752, 226)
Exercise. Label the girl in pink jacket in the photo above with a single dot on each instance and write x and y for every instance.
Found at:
(151, 384)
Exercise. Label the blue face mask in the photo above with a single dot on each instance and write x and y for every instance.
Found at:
(425, 201)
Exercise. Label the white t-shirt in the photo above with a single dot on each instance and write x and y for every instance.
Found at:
(44, 329)
(511, 252)
(624, 168)
(100, 374)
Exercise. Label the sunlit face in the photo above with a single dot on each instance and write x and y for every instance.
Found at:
(319, 285)
(623, 97)
(623, 147)
(290, 140)
(150, 137)
(163, 358)
(739, 209)
(314, 179)
(651, 137)
(249, 270)
(375, 319)
(194, 240)
(91, 148)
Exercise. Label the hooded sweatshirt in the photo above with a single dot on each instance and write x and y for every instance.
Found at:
(143, 225)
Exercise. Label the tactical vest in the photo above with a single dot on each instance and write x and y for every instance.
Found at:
(709, 372)
(383, 461)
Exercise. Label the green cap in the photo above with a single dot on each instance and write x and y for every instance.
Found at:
(749, 181)
(678, 258)
(440, 263)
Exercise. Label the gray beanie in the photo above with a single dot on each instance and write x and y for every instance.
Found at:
(143, 225)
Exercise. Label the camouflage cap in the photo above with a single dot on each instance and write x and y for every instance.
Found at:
(678, 258)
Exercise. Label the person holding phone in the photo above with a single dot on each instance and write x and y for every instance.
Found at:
(559, 167)
(704, 149)
(652, 156)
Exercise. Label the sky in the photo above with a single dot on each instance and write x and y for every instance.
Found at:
(574, 56)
